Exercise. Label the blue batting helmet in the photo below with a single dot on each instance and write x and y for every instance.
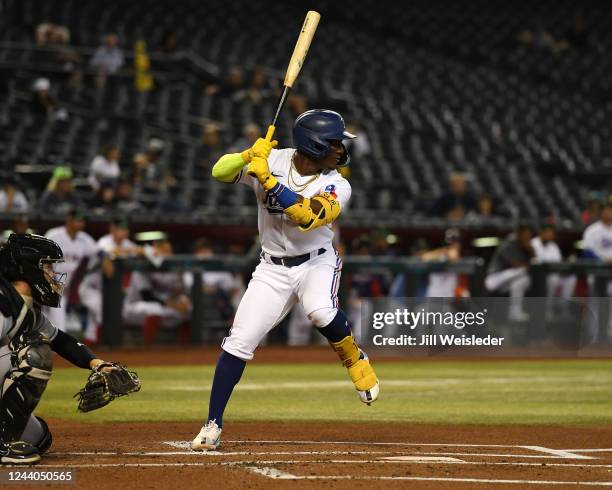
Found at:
(314, 130)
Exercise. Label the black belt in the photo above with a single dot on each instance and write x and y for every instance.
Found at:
(294, 261)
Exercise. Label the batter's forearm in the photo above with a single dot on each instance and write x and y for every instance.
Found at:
(228, 167)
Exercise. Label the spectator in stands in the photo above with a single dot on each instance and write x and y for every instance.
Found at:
(21, 224)
(59, 198)
(167, 43)
(457, 201)
(170, 59)
(210, 150)
(591, 214)
(546, 250)
(147, 173)
(250, 133)
(487, 209)
(44, 33)
(43, 104)
(104, 166)
(12, 200)
(296, 103)
(537, 35)
(103, 201)
(508, 270)
(107, 60)
(125, 202)
(64, 56)
(258, 89)
(231, 87)
(172, 201)
(158, 299)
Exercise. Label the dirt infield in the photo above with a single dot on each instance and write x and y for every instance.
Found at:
(262, 455)
(335, 456)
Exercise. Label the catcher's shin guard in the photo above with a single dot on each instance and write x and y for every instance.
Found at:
(359, 368)
(32, 361)
(46, 439)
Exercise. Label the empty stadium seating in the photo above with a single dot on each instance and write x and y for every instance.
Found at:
(437, 85)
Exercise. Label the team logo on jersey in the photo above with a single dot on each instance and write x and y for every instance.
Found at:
(331, 188)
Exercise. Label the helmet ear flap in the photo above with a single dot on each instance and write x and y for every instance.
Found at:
(345, 159)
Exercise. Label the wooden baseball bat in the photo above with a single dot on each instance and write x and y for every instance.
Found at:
(295, 64)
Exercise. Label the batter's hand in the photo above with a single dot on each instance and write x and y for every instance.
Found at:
(261, 148)
(259, 168)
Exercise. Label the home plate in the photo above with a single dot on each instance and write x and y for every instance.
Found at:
(423, 459)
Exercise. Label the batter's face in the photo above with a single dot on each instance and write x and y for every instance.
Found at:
(330, 162)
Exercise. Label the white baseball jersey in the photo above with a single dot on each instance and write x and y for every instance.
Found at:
(442, 285)
(93, 278)
(546, 252)
(598, 239)
(279, 235)
(83, 246)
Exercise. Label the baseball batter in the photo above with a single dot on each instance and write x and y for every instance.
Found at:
(299, 194)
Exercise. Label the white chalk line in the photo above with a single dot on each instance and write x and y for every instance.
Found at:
(544, 451)
(598, 450)
(282, 475)
(213, 453)
(299, 385)
(327, 461)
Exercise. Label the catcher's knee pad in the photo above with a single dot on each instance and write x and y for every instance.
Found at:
(323, 316)
(24, 384)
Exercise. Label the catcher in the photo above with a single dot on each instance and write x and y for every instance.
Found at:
(28, 339)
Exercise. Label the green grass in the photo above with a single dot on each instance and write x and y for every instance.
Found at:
(568, 392)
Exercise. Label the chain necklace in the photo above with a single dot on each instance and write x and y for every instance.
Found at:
(293, 184)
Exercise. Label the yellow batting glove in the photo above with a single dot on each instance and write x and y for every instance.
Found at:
(261, 148)
(259, 168)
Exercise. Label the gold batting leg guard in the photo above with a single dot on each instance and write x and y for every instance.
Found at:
(359, 368)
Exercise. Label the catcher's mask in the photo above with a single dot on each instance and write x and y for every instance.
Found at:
(314, 130)
(32, 258)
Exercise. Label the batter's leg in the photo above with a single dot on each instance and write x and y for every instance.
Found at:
(265, 303)
(317, 290)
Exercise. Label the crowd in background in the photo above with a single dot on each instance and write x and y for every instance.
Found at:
(117, 186)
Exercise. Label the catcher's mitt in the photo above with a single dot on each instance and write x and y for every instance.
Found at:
(102, 387)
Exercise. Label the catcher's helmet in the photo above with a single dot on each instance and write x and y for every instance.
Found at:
(314, 130)
(31, 258)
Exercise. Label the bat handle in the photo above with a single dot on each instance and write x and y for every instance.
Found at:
(270, 133)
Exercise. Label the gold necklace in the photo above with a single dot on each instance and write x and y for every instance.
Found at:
(293, 184)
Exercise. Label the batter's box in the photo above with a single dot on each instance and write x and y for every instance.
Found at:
(416, 449)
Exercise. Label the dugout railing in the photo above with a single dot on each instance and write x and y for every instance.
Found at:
(413, 268)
